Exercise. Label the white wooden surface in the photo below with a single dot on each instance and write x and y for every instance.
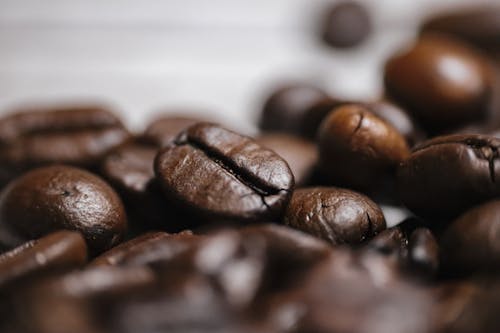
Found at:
(217, 56)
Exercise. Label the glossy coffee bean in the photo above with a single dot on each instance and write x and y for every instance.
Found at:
(163, 131)
(315, 114)
(445, 176)
(285, 108)
(336, 215)
(76, 135)
(423, 253)
(61, 197)
(471, 242)
(479, 26)
(56, 251)
(358, 149)
(443, 83)
(300, 154)
(146, 249)
(346, 24)
(221, 175)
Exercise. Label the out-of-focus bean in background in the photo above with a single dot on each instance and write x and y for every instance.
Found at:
(219, 57)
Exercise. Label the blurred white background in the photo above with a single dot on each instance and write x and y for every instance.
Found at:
(218, 56)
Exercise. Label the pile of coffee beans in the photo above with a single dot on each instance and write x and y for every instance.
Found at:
(190, 226)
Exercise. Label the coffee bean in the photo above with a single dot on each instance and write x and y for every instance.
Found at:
(61, 197)
(479, 26)
(390, 242)
(77, 135)
(346, 24)
(163, 131)
(445, 176)
(285, 108)
(146, 249)
(423, 253)
(358, 149)
(222, 175)
(443, 83)
(300, 154)
(471, 242)
(58, 250)
(336, 215)
(315, 114)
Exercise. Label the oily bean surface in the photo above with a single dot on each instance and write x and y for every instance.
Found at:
(336, 215)
(61, 197)
(446, 175)
(220, 174)
(357, 149)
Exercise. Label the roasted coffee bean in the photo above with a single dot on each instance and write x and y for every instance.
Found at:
(222, 175)
(61, 197)
(336, 215)
(443, 83)
(479, 26)
(445, 176)
(163, 131)
(284, 110)
(300, 154)
(346, 24)
(315, 114)
(423, 253)
(471, 242)
(147, 249)
(58, 250)
(77, 135)
(358, 149)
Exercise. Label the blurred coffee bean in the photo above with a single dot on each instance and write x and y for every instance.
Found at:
(221, 175)
(443, 83)
(336, 215)
(357, 149)
(163, 131)
(345, 24)
(300, 154)
(445, 176)
(285, 108)
(76, 135)
(315, 114)
(61, 197)
(56, 251)
(146, 249)
(390, 242)
(478, 25)
(471, 242)
(423, 253)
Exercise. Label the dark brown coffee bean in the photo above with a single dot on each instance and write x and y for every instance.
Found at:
(442, 82)
(146, 249)
(163, 131)
(358, 149)
(423, 253)
(77, 135)
(61, 197)
(284, 110)
(479, 26)
(315, 114)
(447, 175)
(300, 154)
(390, 242)
(223, 175)
(336, 215)
(346, 24)
(471, 242)
(59, 250)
